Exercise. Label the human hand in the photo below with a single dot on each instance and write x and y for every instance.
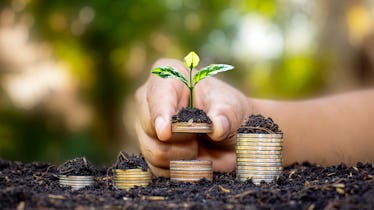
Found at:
(159, 99)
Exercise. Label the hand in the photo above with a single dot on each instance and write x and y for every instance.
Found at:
(158, 99)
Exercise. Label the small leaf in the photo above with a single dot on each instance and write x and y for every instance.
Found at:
(211, 70)
(169, 72)
(191, 60)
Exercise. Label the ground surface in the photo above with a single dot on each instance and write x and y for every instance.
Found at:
(35, 186)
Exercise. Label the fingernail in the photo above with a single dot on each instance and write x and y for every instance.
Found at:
(160, 124)
(221, 128)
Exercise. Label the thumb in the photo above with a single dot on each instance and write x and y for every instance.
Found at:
(221, 127)
(162, 127)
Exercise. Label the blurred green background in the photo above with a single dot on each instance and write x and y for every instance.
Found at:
(69, 69)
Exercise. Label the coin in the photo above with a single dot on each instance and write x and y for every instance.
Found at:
(258, 148)
(239, 152)
(259, 135)
(251, 172)
(259, 144)
(256, 176)
(260, 168)
(265, 141)
(257, 160)
(259, 156)
(193, 163)
(259, 164)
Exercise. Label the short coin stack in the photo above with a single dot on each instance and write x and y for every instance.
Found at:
(190, 127)
(126, 179)
(76, 182)
(258, 156)
(190, 170)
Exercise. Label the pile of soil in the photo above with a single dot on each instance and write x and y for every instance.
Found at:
(259, 124)
(126, 161)
(78, 166)
(300, 186)
(187, 114)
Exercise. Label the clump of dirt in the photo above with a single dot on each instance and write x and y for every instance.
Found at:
(187, 114)
(126, 161)
(259, 124)
(77, 167)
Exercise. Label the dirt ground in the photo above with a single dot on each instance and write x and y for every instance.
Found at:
(300, 186)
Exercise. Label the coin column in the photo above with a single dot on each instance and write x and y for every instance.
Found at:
(259, 156)
(76, 182)
(191, 170)
(126, 179)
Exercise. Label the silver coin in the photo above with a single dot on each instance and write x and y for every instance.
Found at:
(260, 168)
(259, 135)
(258, 148)
(252, 172)
(259, 156)
(259, 144)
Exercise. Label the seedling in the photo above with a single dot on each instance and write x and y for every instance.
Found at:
(190, 119)
(191, 61)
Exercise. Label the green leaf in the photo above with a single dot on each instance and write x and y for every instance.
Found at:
(169, 72)
(210, 70)
(191, 60)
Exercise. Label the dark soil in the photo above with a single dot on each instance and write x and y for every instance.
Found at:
(127, 161)
(77, 166)
(300, 186)
(186, 115)
(259, 124)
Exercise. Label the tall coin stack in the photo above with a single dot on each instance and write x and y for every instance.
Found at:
(76, 182)
(126, 179)
(191, 170)
(258, 156)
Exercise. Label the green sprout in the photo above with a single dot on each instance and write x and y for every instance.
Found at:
(191, 61)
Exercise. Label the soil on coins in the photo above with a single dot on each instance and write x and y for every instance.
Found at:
(78, 166)
(300, 186)
(127, 161)
(259, 124)
(191, 115)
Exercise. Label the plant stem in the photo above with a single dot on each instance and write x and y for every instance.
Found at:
(191, 90)
(191, 97)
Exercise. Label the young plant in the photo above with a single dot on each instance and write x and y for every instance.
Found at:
(191, 61)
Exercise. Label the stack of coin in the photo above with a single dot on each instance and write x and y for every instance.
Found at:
(190, 127)
(258, 156)
(190, 170)
(76, 182)
(126, 179)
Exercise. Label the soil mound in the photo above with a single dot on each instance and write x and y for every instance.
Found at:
(126, 161)
(77, 167)
(186, 114)
(259, 124)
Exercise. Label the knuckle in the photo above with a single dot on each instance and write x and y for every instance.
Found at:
(157, 157)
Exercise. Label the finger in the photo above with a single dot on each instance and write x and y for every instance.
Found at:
(223, 160)
(165, 97)
(157, 171)
(225, 107)
(143, 111)
(160, 153)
